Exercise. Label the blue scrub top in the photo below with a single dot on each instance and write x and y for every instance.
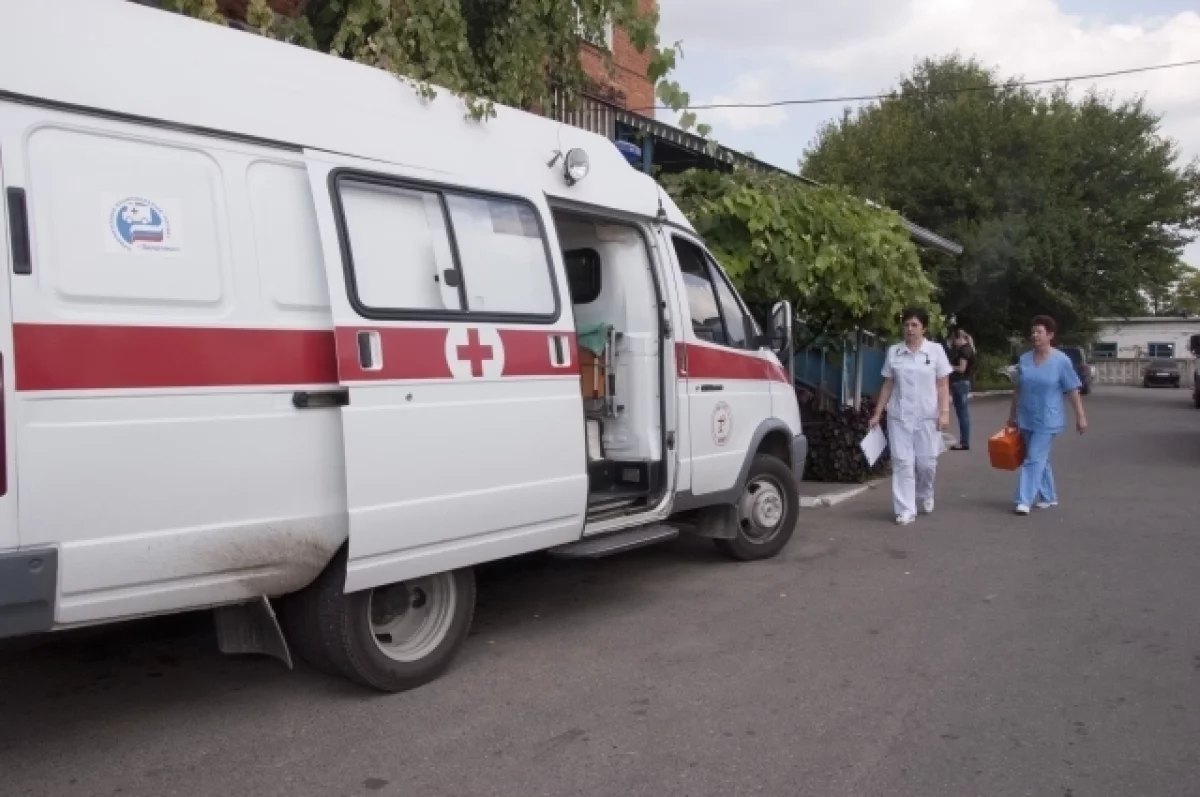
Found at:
(1040, 405)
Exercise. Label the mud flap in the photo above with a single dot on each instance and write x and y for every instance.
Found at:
(250, 628)
(717, 523)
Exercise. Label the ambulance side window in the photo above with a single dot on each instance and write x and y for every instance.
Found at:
(731, 310)
(417, 251)
(400, 247)
(716, 314)
(503, 256)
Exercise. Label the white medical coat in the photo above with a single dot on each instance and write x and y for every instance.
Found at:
(913, 406)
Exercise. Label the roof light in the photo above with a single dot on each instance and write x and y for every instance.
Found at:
(631, 151)
(576, 166)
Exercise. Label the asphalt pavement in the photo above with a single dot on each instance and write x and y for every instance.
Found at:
(973, 653)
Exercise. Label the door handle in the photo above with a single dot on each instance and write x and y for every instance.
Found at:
(711, 388)
(18, 228)
(370, 351)
(320, 399)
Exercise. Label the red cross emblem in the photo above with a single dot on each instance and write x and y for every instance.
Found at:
(475, 352)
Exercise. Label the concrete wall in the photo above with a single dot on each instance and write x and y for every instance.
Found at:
(1129, 371)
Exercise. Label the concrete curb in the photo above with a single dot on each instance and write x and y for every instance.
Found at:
(836, 497)
(990, 393)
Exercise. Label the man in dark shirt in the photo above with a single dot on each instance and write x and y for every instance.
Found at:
(962, 360)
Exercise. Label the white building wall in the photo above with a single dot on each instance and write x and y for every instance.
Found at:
(1133, 336)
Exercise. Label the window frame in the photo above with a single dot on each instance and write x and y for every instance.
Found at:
(1105, 353)
(749, 327)
(714, 273)
(1150, 350)
(343, 175)
(575, 301)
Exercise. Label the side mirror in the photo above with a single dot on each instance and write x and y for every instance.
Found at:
(779, 335)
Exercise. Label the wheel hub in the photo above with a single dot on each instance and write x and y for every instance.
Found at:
(762, 509)
(410, 619)
(768, 508)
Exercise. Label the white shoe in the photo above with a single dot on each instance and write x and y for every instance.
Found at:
(1022, 509)
(904, 520)
(1046, 504)
(927, 507)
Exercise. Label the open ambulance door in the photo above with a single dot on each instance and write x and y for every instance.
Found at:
(462, 416)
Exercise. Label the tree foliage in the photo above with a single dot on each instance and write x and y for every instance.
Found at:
(1070, 207)
(513, 52)
(842, 263)
(1186, 299)
(1180, 296)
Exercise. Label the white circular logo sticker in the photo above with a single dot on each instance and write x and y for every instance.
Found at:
(722, 423)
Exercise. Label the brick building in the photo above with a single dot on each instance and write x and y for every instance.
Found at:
(629, 87)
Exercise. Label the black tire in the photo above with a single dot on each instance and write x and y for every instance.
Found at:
(766, 472)
(295, 618)
(1086, 391)
(337, 628)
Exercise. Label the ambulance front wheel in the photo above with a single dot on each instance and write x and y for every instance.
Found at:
(766, 511)
(394, 637)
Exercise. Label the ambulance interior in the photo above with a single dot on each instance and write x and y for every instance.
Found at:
(617, 322)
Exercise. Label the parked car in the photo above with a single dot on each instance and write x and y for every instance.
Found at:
(1083, 368)
(1161, 372)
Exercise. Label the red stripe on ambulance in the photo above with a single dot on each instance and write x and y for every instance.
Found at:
(93, 357)
(710, 362)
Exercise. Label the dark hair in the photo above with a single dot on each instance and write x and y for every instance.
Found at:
(1045, 322)
(915, 312)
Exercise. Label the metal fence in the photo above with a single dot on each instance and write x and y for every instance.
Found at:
(1125, 371)
(837, 372)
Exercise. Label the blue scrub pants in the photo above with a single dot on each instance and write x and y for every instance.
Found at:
(1036, 477)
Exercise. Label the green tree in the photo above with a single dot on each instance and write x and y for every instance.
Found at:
(1073, 208)
(1163, 298)
(842, 263)
(512, 52)
(1185, 294)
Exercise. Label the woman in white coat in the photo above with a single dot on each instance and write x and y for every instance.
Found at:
(916, 395)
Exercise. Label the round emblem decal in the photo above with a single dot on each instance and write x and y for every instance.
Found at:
(140, 225)
(722, 423)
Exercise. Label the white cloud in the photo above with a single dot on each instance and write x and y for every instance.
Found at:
(786, 49)
(751, 87)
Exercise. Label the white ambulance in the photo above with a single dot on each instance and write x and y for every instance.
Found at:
(283, 339)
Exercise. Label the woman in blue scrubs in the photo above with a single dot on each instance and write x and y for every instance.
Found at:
(1044, 375)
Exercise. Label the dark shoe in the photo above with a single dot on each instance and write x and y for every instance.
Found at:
(960, 448)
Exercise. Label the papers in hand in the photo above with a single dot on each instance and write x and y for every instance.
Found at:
(873, 445)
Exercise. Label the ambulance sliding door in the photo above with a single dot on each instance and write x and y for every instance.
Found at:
(464, 430)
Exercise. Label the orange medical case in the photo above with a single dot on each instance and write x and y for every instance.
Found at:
(1006, 449)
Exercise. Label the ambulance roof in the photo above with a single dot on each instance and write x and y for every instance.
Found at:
(120, 57)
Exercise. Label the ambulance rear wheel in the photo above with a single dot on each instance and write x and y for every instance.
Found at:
(394, 637)
(766, 512)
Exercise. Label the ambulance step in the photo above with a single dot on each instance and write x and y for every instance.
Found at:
(599, 547)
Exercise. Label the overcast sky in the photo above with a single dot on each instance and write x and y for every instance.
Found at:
(761, 50)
